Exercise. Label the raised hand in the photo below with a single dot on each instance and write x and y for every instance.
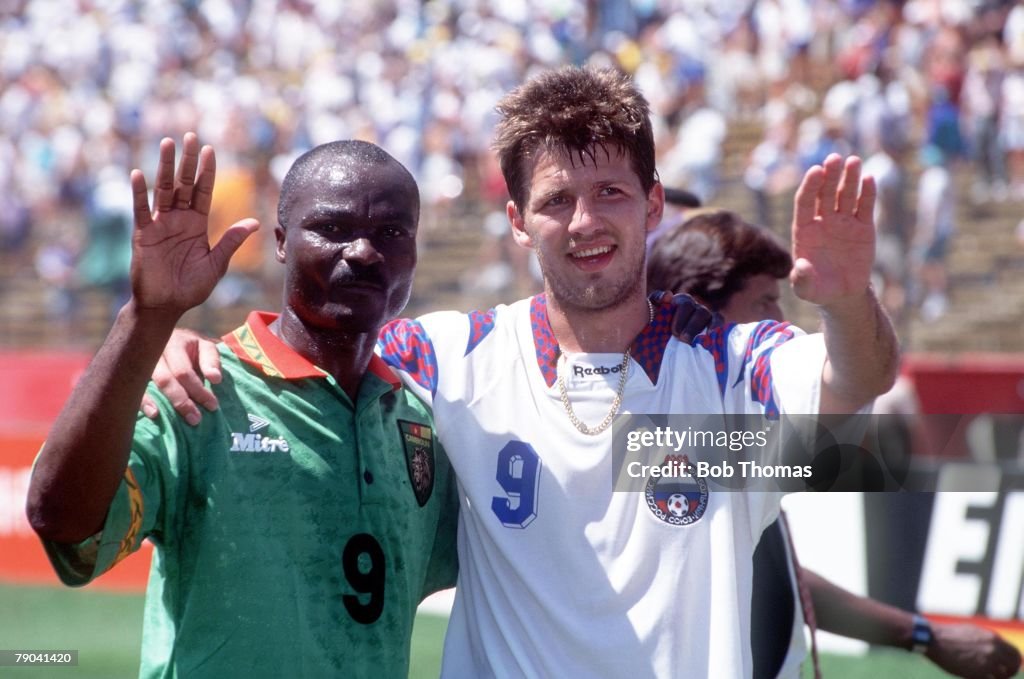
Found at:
(173, 266)
(833, 232)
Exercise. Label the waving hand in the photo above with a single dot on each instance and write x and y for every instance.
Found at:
(173, 266)
(833, 232)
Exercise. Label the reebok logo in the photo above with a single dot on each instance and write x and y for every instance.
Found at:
(252, 442)
(580, 371)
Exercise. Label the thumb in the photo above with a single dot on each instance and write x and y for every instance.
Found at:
(232, 239)
(801, 277)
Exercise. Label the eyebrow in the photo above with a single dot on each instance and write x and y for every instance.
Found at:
(541, 198)
(326, 213)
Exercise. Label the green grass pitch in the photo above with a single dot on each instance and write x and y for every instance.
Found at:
(106, 628)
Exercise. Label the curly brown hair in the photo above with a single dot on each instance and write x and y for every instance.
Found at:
(578, 110)
(711, 256)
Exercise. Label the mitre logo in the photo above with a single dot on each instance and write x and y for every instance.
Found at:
(251, 442)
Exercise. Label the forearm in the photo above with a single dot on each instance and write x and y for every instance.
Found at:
(86, 452)
(846, 614)
(863, 353)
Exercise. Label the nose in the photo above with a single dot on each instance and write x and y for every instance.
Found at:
(361, 250)
(584, 220)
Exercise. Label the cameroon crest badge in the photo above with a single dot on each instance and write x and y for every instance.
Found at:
(418, 443)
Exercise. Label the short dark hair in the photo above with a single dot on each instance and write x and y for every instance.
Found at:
(578, 110)
(712, 254)
(353, 152)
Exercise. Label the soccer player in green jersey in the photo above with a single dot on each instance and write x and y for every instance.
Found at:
(297, 529)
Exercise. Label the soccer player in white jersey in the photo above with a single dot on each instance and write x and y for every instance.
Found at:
(559, 575)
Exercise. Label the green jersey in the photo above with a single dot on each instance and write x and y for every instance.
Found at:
(295, 532)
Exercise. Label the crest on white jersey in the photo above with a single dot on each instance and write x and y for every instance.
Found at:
(677, 500)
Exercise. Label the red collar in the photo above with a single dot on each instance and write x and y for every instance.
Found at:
(255, 344)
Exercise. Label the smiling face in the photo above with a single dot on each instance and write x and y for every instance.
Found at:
(348, 239)
(587, 219)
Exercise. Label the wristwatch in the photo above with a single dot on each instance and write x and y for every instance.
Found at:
(921, 636)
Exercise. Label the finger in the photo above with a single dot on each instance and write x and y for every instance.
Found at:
(148, 407)
(186, 171)
(686, 328)
(866, 203)
(805, 204)
(163, 187)
(209, 364)
(187, 383)
(202, 196)
(176, 394)
(690, 319)
(830, 186)
(229, 243)
(140, 200)
(661, 298)
(684, 300)
(849, 186)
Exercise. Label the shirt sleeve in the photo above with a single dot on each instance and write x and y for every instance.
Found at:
(443, 569)
(773, 368)
(413, 348)
(140, 508)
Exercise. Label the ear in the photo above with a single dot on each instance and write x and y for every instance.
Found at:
(655, 206)
(279, 234)
(519, 233)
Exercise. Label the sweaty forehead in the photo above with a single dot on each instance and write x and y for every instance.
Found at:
(352, 174)
(555, 169)
(347, 185)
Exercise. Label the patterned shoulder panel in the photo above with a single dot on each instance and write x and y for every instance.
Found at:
(765, 339)
(405, 345)
(544, 343)
(481, 323)
(715, 341)
(648, 347)
(762, 340)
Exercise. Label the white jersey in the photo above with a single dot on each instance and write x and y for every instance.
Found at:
(560, 576)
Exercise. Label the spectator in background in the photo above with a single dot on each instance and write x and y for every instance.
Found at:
(1011, 127)
(106, 256)
(774, 167)
(696, 154)
(983, 84)
(935, 226)
(236, 197)
(892, 219)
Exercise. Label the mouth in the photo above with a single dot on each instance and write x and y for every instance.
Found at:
(358, 285)
(592, 258)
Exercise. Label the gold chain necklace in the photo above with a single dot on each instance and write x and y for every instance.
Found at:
(616, 402)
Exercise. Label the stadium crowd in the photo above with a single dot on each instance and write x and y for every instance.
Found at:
(89, 85)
